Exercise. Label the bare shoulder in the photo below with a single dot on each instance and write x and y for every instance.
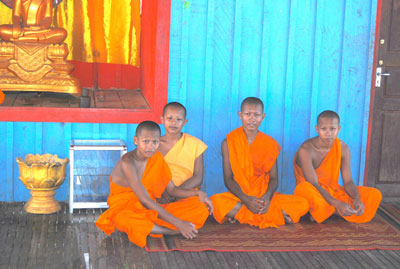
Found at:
(224, 147)
(224, 143)
(344, 148)
(307, 146)
(124, 166)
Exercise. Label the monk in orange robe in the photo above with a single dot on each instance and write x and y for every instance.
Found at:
(182, 152)
(251, 176)
(317, 165)
(138, 179)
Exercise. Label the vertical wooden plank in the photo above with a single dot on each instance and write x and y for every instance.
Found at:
(237, 40)
(186, 18)
(277, 21)
(250, 48)
(364, 126)
(67, 143)
(354, 72)
(316, 65)
(123, 132)
(288, 96)
(174, 51)
(220, 82)
(96, 131)
(264, 59)
(197, 36)
(208, 78)
(38, 138)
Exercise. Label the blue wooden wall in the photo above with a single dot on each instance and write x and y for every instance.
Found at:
(300, 57)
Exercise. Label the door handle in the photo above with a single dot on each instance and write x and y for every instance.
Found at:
(379, 74)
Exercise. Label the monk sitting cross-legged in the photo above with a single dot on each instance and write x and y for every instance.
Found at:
(138, 179)
(317, 165)
(183, 153)
(251, 176)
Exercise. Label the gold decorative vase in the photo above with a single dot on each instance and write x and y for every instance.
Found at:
(42, 174)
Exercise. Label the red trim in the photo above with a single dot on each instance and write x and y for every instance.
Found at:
(154, 78)
(372, 95)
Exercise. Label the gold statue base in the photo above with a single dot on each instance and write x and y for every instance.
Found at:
(42, 202)
(36, 67)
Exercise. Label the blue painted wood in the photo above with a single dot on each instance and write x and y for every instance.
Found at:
(299, 57)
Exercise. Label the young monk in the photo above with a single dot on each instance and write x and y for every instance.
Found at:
(317, 165)
(182, 152)
(251, 176)
(138, 179)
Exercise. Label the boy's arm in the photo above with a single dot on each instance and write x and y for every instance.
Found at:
(182, 193)
(272, 186)
(197, 179)
(305, 159)
(251, 202)
(185, 228)
(348, 182)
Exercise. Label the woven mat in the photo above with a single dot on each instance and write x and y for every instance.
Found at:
(333, 234)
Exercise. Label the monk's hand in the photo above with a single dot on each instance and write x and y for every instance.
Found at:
(264, 206)
(187, 229)
(345, 209)
(203, 197)
(358, 206)
(253, 204)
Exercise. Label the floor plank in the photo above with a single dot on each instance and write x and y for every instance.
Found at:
(61, 240)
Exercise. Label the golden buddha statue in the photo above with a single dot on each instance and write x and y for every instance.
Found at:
(32, 54)
(31, 23)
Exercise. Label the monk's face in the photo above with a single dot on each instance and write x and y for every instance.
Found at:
(147, 142)
(173, 120)
(251, 115)
(328, 129)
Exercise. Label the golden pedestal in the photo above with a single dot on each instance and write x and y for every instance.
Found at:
(42, 174)
(36, 67)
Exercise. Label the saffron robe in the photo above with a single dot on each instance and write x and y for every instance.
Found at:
(250, 166)
(2, 97)
(328, 178)
(127, 214)
(181, 157)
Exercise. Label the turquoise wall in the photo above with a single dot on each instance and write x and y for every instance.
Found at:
(300, 57)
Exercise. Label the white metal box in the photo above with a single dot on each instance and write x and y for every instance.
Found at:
(91, 164)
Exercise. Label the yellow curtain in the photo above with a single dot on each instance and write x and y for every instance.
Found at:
(101, 31)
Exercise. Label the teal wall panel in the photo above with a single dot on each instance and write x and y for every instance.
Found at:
(300, 57)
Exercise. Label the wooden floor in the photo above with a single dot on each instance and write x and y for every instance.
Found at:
(116, 99)
(63, 240)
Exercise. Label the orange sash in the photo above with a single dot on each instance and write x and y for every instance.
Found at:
(128, 215)
(250, 166)
(328, 178)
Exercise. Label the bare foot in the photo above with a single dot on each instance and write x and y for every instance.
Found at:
(232, 220)
(288, 219)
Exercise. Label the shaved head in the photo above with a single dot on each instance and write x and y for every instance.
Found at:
(328, 114)
(174, 105)
(147, 125)
(252, 101)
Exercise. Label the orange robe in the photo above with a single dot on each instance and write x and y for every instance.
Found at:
(2, 96)
(181, 157)
(250, 166)
(127, 214)
(328, 178)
